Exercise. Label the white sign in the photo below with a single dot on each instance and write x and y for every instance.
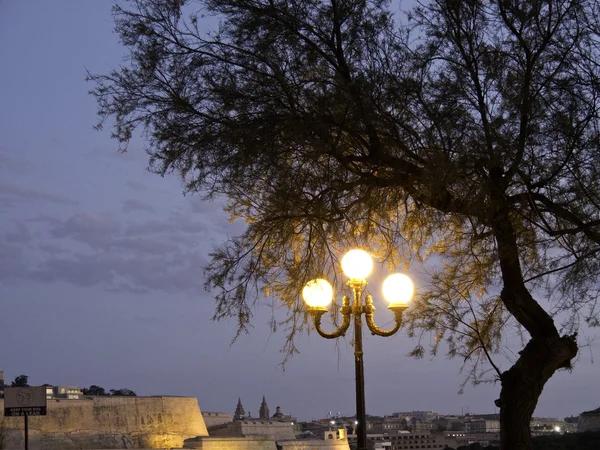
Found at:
(25, 401)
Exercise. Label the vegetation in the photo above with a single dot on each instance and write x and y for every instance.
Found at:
(122, 392)
(20, 381)
(477, 446)
(571, 441)
(472, 135)
(95, 390)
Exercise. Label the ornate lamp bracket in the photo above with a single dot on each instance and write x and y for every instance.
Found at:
(376, 330)
(318, 311)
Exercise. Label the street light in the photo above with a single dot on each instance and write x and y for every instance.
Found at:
(397, 290)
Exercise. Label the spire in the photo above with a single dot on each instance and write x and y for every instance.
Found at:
(239, 411)
(264, 410)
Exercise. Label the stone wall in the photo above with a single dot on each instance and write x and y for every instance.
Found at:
(232, 443)
(240, 428)
(314, 444)
(110, 422)
(212, 419)
(589, 421)
(263, 443)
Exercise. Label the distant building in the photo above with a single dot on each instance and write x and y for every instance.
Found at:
(403, 441)
(63, 392)
(239, 413)
(263, 412)
(477, 425)
(278, 432)
(419, 415)
(70, 392)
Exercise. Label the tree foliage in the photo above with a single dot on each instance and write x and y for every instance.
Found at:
(572, 441)
(468, 140)
(20, 381)
(94, 390)
(124, 392)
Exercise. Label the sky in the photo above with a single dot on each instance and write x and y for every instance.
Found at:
(101, 262)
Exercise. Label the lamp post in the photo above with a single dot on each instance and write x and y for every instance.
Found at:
(397, 290)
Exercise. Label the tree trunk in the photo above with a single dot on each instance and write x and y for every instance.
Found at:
(523, 383)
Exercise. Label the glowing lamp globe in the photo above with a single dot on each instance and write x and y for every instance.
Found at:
(317, 293)
(398, 289)
(357, 264)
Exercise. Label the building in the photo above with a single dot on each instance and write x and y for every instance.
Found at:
(404, 441)
(239, 413)
(69, 392)
(419, 415)
(278, 432)
(263, 412)
(63, 392)
(477, 425)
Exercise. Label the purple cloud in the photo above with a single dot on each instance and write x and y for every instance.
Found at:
(91, 228)
(136, 186)
(13, 163)
(120, 256)
(131, 205)
(12, 195)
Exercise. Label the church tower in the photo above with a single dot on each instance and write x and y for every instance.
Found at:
(264, 410)
(239, 414)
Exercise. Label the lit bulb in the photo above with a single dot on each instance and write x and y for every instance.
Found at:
(357, 264)
(317, 293)
(398, 289)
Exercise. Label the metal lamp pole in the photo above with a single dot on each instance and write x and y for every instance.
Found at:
(318, 294)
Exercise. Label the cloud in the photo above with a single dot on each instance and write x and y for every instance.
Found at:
(91, 228)
(176, 223)
(120, 255)
(178, 273)
(12, 262)
(12, 163)
(19, 234)
(136, 186)
(200, 206)
(132, 205)
(12, 195)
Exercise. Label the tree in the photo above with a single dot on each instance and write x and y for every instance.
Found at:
(20, 381)
(471, 135)
(123, 392)
(94, 390)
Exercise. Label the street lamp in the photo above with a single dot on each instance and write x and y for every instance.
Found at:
(397, 290)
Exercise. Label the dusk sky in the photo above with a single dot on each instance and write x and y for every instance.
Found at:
(101, 261)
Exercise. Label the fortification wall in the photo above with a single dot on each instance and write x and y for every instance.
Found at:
(314, 444)
(232, 443)
(240, 428)
(212, 419)
(109, 422)
(589, 421)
